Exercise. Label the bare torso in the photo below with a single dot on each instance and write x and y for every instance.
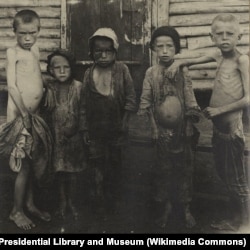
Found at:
(103, 81)
(28, 81)
(228, 88)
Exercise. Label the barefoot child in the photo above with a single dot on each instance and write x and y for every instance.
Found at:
(230, 95)
(25, 137)
(108, 98)
(68, 156)
(170, 105)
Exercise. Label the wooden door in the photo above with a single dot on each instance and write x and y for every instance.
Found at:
(126, 17)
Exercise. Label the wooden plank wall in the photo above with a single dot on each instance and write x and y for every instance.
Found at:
(192, 19)
(49, 37)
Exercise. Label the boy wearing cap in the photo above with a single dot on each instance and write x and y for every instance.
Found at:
(108, 97)
(172, 109)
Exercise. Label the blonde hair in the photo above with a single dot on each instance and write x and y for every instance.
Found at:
(225, 18)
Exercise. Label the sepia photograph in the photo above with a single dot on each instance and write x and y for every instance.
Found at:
(124, 117)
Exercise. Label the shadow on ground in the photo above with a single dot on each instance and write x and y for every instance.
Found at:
(136, 211)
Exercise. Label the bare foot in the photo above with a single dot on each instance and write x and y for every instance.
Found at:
(73, 211)
(21, 220)
(245, 229)
(224, 225)
(162, 221)
(45, 216)
(189, 220)
(61, 212)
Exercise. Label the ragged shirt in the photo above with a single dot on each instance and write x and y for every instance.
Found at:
(102, 115)
(157, 86)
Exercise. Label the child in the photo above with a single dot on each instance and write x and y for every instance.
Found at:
(108, 98)
(30, 155)
(171, 105)
(230, 95)
(68, 156)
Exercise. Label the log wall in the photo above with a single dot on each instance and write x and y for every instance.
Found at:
(192, 19)
(49, 36)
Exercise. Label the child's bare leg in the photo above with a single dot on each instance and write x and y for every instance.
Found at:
(245, 217)
(61, 178)
(163, 221)
(189, 219)
(71, 188)
(45, 216)
(17, 214)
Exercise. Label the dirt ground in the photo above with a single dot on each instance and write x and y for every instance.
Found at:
(136, 211)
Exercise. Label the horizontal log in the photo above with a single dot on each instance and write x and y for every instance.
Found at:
(43, 44)
(202, 74)
(212, 1)
(201, 19)
(30, 3)
(43, 55)
(211, 65)
(203, 84)
(209, 7)
(185, 53)
(204, 30)
(205, 41)
(44, 33)
(43, 12)
(45, 23)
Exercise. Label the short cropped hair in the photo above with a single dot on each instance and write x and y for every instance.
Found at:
(25, 16)
(67, 55)
(225, 18)
(166, 31)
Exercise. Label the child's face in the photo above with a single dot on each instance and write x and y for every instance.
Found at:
(60, 68)
(103, 52)
(225, 35)
(26, 34)
(164, 48)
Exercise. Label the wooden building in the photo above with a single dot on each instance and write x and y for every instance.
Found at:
(69, 24)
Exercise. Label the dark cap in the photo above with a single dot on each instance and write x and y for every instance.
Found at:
(166, 31)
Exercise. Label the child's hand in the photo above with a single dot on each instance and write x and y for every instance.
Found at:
(211, 112)
(166, 137)
(194, 114)
(86, 139)
(172, 70)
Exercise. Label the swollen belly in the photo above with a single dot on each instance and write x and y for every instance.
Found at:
(169, 113)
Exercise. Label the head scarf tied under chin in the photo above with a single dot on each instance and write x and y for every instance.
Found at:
(103, 32)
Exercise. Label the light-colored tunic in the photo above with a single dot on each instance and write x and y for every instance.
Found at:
(69, 153)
